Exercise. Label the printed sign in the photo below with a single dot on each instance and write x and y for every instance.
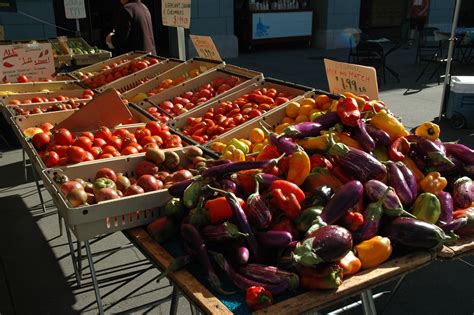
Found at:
(269, 25)
(35, 60)
(176, 13)
(75, 9)
(358, 79)
(205, 47)
(8, 5)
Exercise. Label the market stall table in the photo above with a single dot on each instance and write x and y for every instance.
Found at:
(462, 247)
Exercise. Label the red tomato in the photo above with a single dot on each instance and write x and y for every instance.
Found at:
(22, 78)
(63, 137)
(154, 127)
(46, 126)
(50, 159)
(122, 133)
(158, 140)
(136, 145)
(76, 154)
(103, 132)
(153, 61)
(105, 156)
(129, 140)
(37, 99)
(115, 141)
(88, 92)
(41, 140)
(164, 134)
(129, 150)
(96, 151)
(151, 145)
(147, 139)
(88, 156)
(109, 149)
(63, 161)
(141, 132)
(88, 134)
(99, 142)
(83, 142)
(61, 150)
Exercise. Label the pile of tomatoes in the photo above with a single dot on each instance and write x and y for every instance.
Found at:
(229, 114)
(62, 147)
(115, 71)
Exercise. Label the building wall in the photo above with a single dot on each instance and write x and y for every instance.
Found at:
(20, 27)
(441, 14)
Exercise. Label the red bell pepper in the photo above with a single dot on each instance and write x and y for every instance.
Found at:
(348, 111)
(286, 225)
(288, 187)
(318, 160)
(399, 147)
(286, 202)
(219, 210)
(258, 298)
(323, 276)
(468, 229)
(353, 220)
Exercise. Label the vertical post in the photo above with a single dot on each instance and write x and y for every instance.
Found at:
(181, 43)
(78, 28)
(452, 39)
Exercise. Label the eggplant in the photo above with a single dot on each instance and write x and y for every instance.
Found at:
(435, 152)
(415, 233)
(375, 189)
(243, 282)
(329, 243)
(372, 215)
(463, 192)
(284, 144)
(318, 197)
(270, 274)
(397, 180)
(327, 120)
(380, 136)
(274, 239)
(177, 189)
(409, 177)
(344, 199)
(460, 151)
(364, 138)
(257, 209)
(220, 170)
(238, 254)
(224, 232)
(302, 129)
(447, 206)
(356, 163)
(455, 224)
(265, 180)
(228, 185)
(468, 170)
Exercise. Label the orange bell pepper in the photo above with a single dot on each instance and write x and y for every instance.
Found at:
(374, 251)
(219, 210)
(414, 169)
(433, 183)
(299, 167)
(350, 264)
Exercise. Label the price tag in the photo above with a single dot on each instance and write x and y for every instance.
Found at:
(349, 77)
(36, 61)
(75, 9)
(176, 13)
(205, 47)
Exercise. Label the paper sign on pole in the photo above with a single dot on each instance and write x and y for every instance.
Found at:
(205, 47)
(75, 9)
(349, 77)
(34, 60)
(176, 13)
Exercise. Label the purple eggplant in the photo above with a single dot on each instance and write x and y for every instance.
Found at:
(219, 233)
(243, 282)
(392, 205)
(274, 239)
(257, 209)
(302, 129)
(329, 243)
(380, 136)
(238, 254)
(397, 180)
(447, 206)
(463, 192)
(220, 170)
(415, 233)
(434, 152)
(356, 163)
(177, 189)
(284, 144)
(364, 138)
(460, 151)
(409, 177)
(468, 170)
(265, 180)
(455, 224)
(270, 274)
(228, 185)
(327, 120)
(210, 163)
(345, 198)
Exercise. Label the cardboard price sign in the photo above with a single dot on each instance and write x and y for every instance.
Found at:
(176, 13)
(349, 77)
(205, 47)
(75, 9)
(35, 60)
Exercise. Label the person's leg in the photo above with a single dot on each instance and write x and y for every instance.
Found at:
(411, 38)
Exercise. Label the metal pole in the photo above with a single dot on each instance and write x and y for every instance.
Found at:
(452, 38)
(368, 302)
(73, 256)
(181, 43)
(78, 28)
(94, 278)
(174, 300)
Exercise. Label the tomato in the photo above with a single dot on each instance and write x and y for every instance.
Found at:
(88, 92)
(146, 140)
(41, 140)
(128, 140)
(141, 65)
(50, 159)
(103, 132)
(63, 161)
(76, 154)
(83, 142)
(129, 150)
(115, 141)
(136, 145)
(18, 102)
(96, 151)
(122, 133)
(63, 137)
(106, 156)
(46, 126)
(154, 127)
(141, 132)
(61, 150)
(158, 140)
(22, 78)
(109, 149)
(164, 134)
(37, 99)
(88, 134)
(99, 142)
(151, 145)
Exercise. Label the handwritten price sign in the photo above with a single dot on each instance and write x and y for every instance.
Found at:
(350, 77)
(176, 13)
(75, 9)
(205, 47)
(36, 61)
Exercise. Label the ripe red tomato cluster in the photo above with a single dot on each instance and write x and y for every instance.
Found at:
(63, 148)
(86, 94)
(115, 71)
(231, 114)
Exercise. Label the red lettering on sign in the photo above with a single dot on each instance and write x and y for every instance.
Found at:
(9, 53)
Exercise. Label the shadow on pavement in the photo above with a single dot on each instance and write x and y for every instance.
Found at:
(32, 281)
(13, 174)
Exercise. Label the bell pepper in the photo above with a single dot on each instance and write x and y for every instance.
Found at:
(348, 111)
(323, 276)
(388, 123)
(103, 182)
(318, 196)
(268, 152)
(350, 264)
(321, 176)
(288, 188)
(427, 208)
(161, 229)
(306, 218)
(232, 153)
(341, 175)
(359, 99)
(398, 149)
(258, 298)
(374, 106)
(468, 229)
(318, 160)
(353, 220)
(286, 202)
(374, 251)
(428, 130)
(319, 143)
(414, 169)
(433, 183)
(219, 210)
(347, 140)
(299, 167)
(246, 181)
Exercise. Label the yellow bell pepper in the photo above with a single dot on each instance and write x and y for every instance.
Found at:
(388, 123)
(320, 143)
(428, 130)
(299, 167)
(374, 251)
(347, 140)
(218, 147)
(433, 183)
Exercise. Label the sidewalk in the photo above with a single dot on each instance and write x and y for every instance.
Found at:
(36, 274)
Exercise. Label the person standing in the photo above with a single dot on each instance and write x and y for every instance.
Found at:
(417, 14)
(133, 30)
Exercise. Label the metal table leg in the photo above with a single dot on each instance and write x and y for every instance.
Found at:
(39, 191)
(73, 257)
(24, 165)
(79, 258)
(94, 278)
(368, 302)
(194, 309)
(174, 300)
(60, 224)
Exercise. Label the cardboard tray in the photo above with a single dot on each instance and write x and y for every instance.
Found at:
(20, 88)
(204, 65)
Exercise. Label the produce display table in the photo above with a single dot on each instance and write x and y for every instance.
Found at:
(198, 294)
(462, 247)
